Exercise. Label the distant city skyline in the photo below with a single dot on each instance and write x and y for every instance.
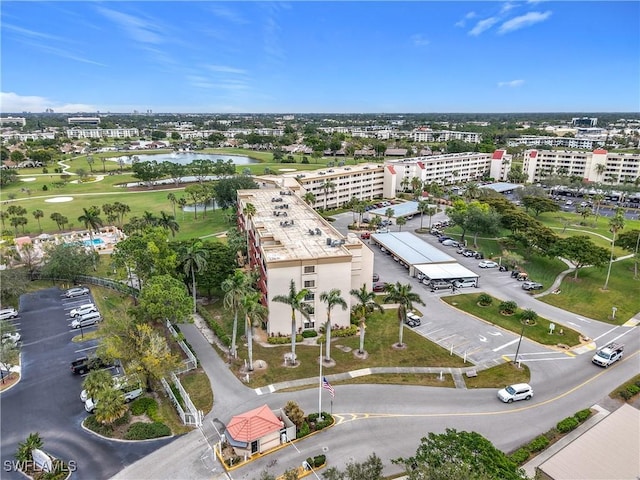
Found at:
(320, 57)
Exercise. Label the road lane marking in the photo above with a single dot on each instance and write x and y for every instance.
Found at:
(505, 345)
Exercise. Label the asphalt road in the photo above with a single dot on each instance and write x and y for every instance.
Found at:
(47, 399)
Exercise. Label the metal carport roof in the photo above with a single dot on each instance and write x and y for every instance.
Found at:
(410, 248)
(445, 271)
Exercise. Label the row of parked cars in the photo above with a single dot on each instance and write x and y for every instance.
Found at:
(84, 315)
(11, 336)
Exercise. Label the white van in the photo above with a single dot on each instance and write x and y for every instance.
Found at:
(129, 394)
(466, 283)
(87, 320)
(83, 310)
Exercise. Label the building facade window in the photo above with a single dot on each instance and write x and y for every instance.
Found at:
(310, 269)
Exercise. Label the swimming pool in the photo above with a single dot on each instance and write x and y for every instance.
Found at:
(96, 241)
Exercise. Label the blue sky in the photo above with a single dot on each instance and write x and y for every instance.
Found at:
(322, 57)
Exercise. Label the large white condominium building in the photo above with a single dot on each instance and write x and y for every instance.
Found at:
(102, 132)
(288, 241)
(567, 142)
(427, 135)
(596, 166)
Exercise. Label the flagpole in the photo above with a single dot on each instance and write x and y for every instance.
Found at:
(320, 387)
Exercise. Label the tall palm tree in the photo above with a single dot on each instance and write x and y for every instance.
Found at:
(254, 313)
(97, 381)
(91, 220)
(400, 222)
(110, 406)
(600, 169)
(149, 219)
(193, 261)
(182, 202)
(309, 198)
(332, 298)
(121, 209)
(172, 198)
(615, 225)
(38, 214)
(405, 298)
(326, 186)
(366, 305)
(168, 222)
(295, 299)
(249, 210)
(235, 288)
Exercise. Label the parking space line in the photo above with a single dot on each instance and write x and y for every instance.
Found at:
(497, 349)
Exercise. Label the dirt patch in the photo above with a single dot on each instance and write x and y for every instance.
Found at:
(9, 380)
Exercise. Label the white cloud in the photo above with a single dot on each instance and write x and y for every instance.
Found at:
(226, 13)
(136, 27)
(468, 16)
(511, 83)
(11, 102)
(522, 21)
(483, 25)
(418, 40)
(226, 69)
(506, 7)
(30, 33)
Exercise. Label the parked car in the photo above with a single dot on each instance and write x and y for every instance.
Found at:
(6, 313)
(469, 253)
(518, 391)
(487, 264)
(11, 337)
(412, 320)
(450, 243)
(529, 285)
(76, 292)
(83, 310)
(439, 285)
(379, 286)
(365, 235)
(82, 365)
(466, 283)
(442, 238)
(87, 320)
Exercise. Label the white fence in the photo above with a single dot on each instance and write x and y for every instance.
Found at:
(191, 361)
(189, 415)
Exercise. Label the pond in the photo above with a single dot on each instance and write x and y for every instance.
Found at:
(184, 158)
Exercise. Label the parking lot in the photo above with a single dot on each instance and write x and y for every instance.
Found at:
(47, 398)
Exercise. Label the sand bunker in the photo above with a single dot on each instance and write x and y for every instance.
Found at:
(28, 179)
(58, 199)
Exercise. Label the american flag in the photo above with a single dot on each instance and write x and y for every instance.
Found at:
(326, 385)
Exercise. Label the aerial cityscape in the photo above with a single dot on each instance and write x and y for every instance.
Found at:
(336, 240)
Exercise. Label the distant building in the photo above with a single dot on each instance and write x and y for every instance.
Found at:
(587, 143)
(102, 132)
(424, 134)
(584, 122)
(597, 166)
(13, 121)
(83, 120)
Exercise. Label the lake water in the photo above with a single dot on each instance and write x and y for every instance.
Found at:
(185, 158)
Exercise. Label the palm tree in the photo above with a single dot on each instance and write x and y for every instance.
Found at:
(423, 206)
(326, 186)
(38, 214)
(3, 217)
(92, 221)
(332, 298)
(366, 304)
(111, 406)
(168, 222)
(309, 198)
(295, 299)
(400, 222)
(472, 191)
(32, 442)
(182, 202)
(615, 225)
(193, 261)
(598, 198)
(172, 198)
(600, 169)
(97, 381)
(249, 211)
(149, 219)
(389, 213)
(235, 288)
(254, 313)
(405, 298)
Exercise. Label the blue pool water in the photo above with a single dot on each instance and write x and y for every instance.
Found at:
(96, 241)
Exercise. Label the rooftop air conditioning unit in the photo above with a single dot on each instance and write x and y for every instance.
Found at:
(329, 241)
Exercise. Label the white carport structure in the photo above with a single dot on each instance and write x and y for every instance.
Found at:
(445, 271)
(411, 250)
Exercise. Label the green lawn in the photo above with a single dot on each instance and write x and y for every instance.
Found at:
(538, 332)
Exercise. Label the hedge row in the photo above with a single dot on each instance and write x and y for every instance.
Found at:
(541, 442)
(215, 326)
(630, 390)
(144, 431)
(283, 340)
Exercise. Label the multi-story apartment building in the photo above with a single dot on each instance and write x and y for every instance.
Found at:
(13, 121)
(288, 241)
(23, 137)
(587, 143)
(424, 134)
(83, 120)
(102, 132)
(596, 166)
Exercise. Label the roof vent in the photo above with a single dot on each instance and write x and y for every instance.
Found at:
(329, 241)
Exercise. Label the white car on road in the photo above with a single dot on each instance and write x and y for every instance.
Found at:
(487, 264)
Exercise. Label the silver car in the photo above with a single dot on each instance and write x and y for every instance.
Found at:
(76, 292)
(6, 313)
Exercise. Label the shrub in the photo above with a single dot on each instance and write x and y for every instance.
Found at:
(625, 394)
(45, 188)
(123, 420)
(568, 424)
(508, 306)
(143, 431)
(283, 340)
(520, 456)
(633, 389)
(215, 326)
(304, 430)
(95, 426)
(309, 333)
(141, 405)
(582, 415)
(317, 461)
(485, 299)
(538, 444)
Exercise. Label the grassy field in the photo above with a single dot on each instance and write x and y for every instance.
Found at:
(539, 332)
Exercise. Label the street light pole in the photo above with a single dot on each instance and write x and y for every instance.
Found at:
(515, 360)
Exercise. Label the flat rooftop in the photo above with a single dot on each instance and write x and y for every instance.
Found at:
(411, 249)
(284, 223)
(334, 171)
(399, 210)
